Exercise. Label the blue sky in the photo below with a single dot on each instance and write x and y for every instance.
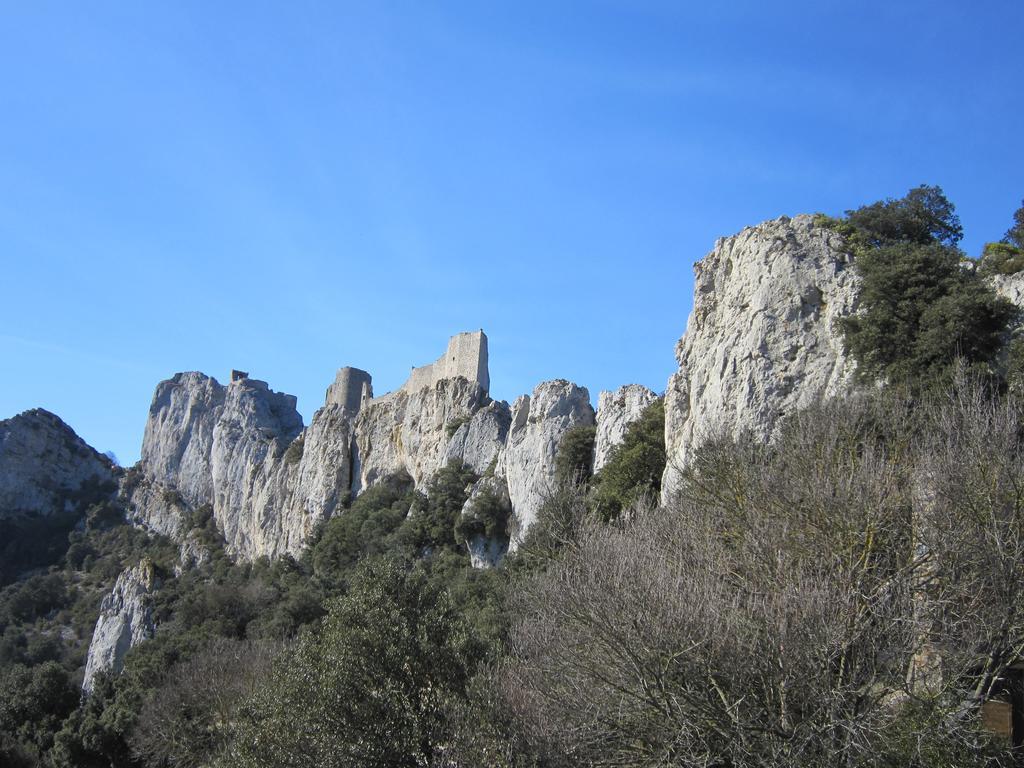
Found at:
(288, 188)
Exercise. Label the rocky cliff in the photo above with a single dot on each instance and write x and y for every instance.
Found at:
(46, 468)
(409, 431)
(241, 449)
(762, 338)
(527, 462)
(125, 620)
(237, 449)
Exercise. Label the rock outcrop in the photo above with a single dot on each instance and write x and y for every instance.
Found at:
(1010, 287)
(615, 412)
(528, 462)
(177, 446)
(46, 468)
(762, 338)
(478, 441)
(125, 620)
(242, 451)
(409, 431)
(228, 447)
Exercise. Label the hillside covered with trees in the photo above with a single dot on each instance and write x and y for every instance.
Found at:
(845, 594)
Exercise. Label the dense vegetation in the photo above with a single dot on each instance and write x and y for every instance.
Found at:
(848, 595)
(924, 304)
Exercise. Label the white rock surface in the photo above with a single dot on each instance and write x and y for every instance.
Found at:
(407, 431)
(528, 462)
(153, 506)
(478, 441)
(240, 449)
(762, 338)
(1010, 287)
(250, 476)
(45, 466)
(615, 412)
(177, 445)
(125, 620)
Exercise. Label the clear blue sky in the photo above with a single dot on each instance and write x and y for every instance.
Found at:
(288, 188)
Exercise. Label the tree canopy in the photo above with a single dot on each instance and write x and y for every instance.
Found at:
(922, 304)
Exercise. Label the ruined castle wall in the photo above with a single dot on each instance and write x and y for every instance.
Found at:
(466, 356)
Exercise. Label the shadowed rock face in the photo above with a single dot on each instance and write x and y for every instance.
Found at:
(478, 442)
(762, 338)
(45, 467)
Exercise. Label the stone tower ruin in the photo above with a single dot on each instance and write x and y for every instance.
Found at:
(351, 388)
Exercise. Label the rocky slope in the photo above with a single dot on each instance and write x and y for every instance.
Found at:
(46, 468)
(762, 338)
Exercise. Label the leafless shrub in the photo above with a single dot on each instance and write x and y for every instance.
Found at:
(184, 724)
(971, 530)
(770, 616)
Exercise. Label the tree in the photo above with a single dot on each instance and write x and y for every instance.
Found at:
(1015, 234)
(365, 529)
(371, 687)
(574, 462)
(921, 309)
(634, 467)
(184, 722)
(33, 702)
(924, 216)
(431, 523)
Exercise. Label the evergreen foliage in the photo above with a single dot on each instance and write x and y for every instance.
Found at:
(431, 524)
(487, 516)
(922, 309)
(574, 462)
(1015, 234)
(371, 687)
(634, 467)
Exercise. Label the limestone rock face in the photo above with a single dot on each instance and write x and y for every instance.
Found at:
(408, 431)
(125, 620)
(46, 468)
(177, 445)
(250, 479)
(1010, 287)
(478, 441)
(615, 412)
(153, 506)
(762, 338)
(242, 451)
(528, 462)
